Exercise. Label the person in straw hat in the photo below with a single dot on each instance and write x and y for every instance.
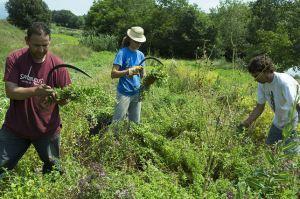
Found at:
(126, 68)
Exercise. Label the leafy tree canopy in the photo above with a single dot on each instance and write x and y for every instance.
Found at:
(24, 12)
(172, 27)
(67, 19)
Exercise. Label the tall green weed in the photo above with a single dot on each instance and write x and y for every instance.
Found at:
(100, 42)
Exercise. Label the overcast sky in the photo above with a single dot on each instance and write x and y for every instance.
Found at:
(80, 7)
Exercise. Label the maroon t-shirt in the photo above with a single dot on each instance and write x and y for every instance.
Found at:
(32, 118)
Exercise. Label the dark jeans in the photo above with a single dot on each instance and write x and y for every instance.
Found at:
(12, 148)
(275, 135)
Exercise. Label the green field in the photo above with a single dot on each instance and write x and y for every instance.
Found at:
(186, 147)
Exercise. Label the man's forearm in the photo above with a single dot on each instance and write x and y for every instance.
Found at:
(21, 93)
(257, 111)
(118, 74)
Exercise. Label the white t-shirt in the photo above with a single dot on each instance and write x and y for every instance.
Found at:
(281, 95)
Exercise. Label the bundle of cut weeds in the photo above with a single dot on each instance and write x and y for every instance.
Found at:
(156, 75)
(68, 93)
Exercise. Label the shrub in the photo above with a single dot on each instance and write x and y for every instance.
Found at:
(100, 42)
(23, 12)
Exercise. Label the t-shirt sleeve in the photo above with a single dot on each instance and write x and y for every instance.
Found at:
(11, 71)
(119, 58)
(261, 98)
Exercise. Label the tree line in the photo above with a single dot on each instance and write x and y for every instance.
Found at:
(175, 28)
(23, 12)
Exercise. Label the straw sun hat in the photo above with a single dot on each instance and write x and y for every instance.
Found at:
(136, 33)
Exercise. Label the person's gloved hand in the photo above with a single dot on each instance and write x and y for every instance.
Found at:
(135, 70)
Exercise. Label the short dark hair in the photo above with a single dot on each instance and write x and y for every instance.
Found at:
(38, 28)
(261, 63)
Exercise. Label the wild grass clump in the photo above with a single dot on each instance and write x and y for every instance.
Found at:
(11, 39)
(28, 182)
(66, 31)
(100, 42)
(69, 51)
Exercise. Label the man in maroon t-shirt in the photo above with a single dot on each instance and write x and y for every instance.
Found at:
(30, 118)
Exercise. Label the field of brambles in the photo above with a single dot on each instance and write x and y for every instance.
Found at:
(186, 147)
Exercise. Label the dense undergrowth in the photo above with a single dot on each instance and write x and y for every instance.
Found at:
(186, 147)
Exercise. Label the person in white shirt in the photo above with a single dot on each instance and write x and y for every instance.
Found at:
(280, 90)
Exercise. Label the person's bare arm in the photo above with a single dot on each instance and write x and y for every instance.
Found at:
(15, 92)
(130, 72)
(115, 73)
(256, 112)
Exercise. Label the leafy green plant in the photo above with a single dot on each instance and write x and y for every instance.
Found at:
(156, 75)
(68, 93)
(281, 172)
(100, 42)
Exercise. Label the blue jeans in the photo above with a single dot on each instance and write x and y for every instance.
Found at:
(128, 106)
(12, 148)
(275, 135)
